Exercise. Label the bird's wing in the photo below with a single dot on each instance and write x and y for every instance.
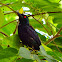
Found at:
(33, 34)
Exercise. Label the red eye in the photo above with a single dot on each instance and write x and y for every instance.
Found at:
(24, 16)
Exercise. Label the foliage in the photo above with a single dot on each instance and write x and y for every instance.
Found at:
(12, 50)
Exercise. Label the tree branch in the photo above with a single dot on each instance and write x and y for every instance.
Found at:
(8, 23)
(9, 8)
(4, 34)
(38, 13)
(42, 25)
(57, 47)
(57, 35)
(8, 13)
(59, 31)
(45, 13)
(16, 28)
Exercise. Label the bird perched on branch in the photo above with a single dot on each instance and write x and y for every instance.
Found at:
(26, 33)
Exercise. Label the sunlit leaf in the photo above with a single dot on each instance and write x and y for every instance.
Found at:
(24, 60)
(23, 52)
(45, 53)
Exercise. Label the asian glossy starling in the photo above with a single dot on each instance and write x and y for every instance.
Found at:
(27, 34)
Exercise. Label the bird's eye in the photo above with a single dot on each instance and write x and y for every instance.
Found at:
(24, 16)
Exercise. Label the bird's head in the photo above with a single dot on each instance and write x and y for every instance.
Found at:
(23, 18)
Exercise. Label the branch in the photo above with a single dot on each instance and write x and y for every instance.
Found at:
(9, 8)
(8, 13)
(57, 35)
(4, 34)
(42, 25)
(45, 13)
(8, 23)
(32, 7)
(7, 4)
(54, 26)
(59, 31)
(16, 28)
(5, 45)
(50, 40)
(57, 47)
(38, 13)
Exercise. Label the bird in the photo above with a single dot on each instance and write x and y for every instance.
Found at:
(27, 33)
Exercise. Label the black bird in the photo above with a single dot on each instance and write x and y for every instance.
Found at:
(26, 33)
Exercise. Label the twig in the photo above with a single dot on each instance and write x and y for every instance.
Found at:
(4, 34)
(50, 27)
(7, 4)
(50, 40)
(8, 13)
(45, 13)
(57, 35)
(9, 8)
(42, 25)
(4, 45)
(54, 26)
(59, 31)
(57, 47)
(38, 13)
(8, 23)
(16, 28)
(32, 7)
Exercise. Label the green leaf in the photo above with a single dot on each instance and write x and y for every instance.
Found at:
(16, 41)
(9, 59)
(1, 47)
(43, 4)
(50, 60)
(24, 60)
(55, 54)
(35, 57)
(45, 53)
(57, 17)
(12, 41)
(56, 1)
(58, 42)
(8, 52)
(46, 48)
(23, 52)
(42, 37)
(59, 26)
